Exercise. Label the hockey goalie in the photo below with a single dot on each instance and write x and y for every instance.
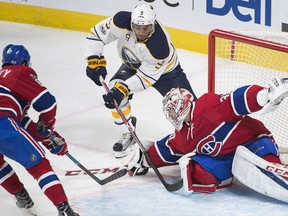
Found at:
(215, 140)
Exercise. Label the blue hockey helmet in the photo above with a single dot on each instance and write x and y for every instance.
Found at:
(15, 55)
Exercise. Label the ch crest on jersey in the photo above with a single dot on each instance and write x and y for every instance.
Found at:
(130, 59)
(209, 146)
(212, 144)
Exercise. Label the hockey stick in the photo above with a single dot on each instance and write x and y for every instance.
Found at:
(110, 178)
(169, 186)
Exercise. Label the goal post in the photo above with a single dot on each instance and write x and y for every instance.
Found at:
(239, 57)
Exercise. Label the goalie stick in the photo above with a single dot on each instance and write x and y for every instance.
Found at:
(169, 186)
(114, 176)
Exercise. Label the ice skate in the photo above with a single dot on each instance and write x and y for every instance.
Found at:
(24, 202)
(126, 140)
(142, 171)
(64, 209)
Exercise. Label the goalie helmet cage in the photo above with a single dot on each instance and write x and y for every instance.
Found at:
(237, 58)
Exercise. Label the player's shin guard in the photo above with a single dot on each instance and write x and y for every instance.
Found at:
(9, 180)
(48, 182)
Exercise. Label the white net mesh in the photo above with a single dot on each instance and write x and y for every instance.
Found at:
(239, 63)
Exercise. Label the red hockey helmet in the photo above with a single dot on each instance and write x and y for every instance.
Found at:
(176, 106)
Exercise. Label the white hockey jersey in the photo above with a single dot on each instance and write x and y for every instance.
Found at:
(150, 59)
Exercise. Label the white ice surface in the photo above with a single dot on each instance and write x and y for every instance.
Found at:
(57, 56)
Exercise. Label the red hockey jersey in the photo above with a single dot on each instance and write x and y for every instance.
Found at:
(19, 89)
(219, 123)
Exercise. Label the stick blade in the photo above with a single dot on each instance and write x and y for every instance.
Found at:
(120, 173)
(174, 186)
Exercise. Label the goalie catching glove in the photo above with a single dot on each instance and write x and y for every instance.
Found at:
(117, 94)
(96, 67)
(135, 160)
(270, 99)
(56, 144)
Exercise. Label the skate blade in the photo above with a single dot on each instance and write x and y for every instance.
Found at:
(29, 212)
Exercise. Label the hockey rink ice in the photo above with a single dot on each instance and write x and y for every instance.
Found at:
(87, 125)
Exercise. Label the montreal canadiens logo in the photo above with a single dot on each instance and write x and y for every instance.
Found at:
(209, 146)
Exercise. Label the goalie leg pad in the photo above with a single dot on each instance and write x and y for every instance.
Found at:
(272, 158)
(195, 178)
(136, 161)
(186, 174)
(270, 179)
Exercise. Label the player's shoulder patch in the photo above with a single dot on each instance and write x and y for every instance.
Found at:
(122, 20)
(158, 43)
(26, 71)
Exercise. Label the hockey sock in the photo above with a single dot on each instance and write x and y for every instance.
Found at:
(8, 178)
(48, 182)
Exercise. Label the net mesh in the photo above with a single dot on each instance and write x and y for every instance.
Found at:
(240, 63)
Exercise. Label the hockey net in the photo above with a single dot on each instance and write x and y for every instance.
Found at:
(239, 58)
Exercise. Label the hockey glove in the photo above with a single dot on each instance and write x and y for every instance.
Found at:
(136, 161)
(96, 67)
(278, 89)
(117, 93)
(56, 144)
(35, 129)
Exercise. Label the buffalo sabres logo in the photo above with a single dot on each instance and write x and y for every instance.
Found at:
(130, 59)
(209, 146)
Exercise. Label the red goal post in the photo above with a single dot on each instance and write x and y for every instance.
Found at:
(239, 57)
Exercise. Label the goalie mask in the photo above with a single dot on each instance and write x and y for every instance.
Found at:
(176, 106)
(142, 21)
